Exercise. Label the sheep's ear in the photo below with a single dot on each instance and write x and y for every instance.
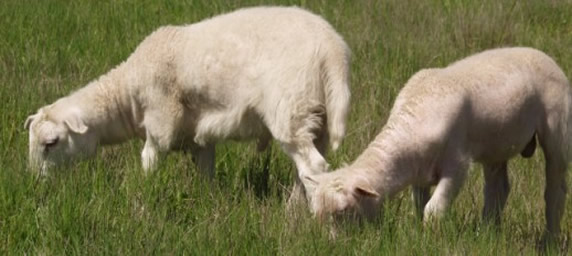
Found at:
(364, 189)
(366, 192)
(29, 121)
(75, 124)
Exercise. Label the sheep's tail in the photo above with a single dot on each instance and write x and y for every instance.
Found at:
(337, 93)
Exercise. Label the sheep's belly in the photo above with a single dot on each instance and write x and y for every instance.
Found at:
(222, 125)
(500, 143)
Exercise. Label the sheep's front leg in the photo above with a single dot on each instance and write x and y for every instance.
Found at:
(452, 178)
(149, 155)
(421, 196)
(204, 158)
(160, 129)
(496, 191)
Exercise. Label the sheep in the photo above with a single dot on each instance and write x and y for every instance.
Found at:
(485, 108)
(255, 73)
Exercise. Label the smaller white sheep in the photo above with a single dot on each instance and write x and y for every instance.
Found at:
(485, 108)
(256, 73)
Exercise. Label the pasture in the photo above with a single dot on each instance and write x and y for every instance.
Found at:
(106, 206)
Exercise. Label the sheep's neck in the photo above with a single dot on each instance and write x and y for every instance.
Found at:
(112, 112)
(388, 163)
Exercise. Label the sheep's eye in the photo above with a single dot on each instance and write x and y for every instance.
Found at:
(51, 143)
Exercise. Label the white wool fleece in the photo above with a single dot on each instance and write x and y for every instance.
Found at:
(255, 73)
(486, 108)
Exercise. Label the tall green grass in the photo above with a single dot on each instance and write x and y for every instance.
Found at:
(106, 206)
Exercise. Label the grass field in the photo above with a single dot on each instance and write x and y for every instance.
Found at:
(106, 206)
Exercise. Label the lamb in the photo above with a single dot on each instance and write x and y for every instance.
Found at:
(255, 73)
(486, 108)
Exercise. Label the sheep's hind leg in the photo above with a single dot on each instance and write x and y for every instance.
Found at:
(555, 193)
(308, 162)
(322, 140)
(496, 191)
(299, 142)
(556, 164)
(298, 194)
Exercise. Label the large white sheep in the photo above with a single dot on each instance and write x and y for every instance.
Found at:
(255, 73)
(485, 108)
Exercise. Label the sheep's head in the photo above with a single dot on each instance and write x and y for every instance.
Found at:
(343, 196)
(56, 139)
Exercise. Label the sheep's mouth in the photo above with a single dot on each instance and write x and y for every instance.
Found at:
(347, 216)
(45, 166)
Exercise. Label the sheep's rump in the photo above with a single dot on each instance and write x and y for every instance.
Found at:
(245, 74)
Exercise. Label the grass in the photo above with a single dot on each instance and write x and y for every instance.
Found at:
(105, 205)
